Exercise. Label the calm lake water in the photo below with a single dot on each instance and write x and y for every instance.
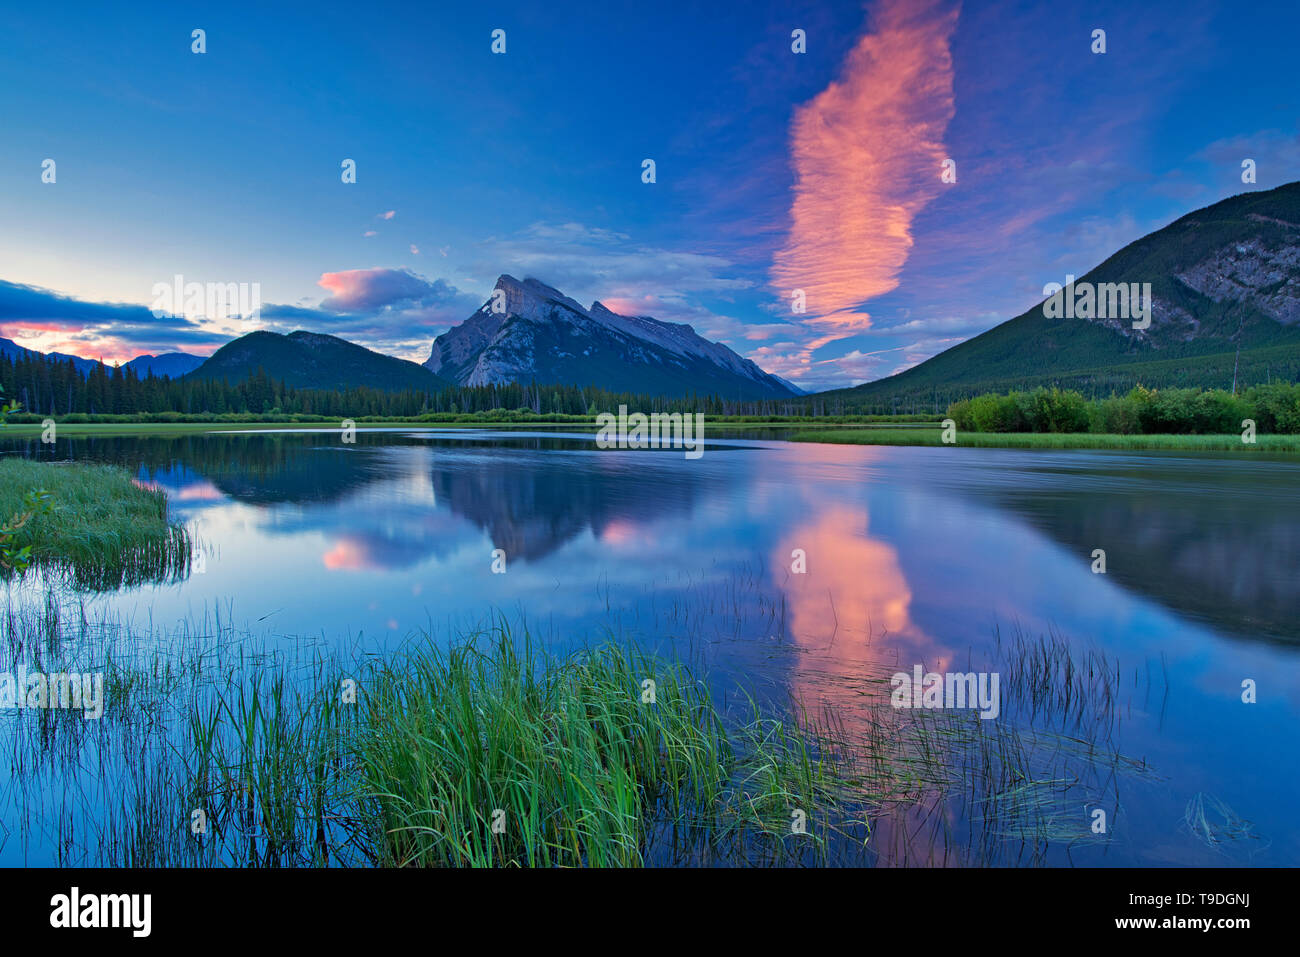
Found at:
(913, 556)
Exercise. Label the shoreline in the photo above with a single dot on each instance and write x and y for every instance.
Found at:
(830, 433)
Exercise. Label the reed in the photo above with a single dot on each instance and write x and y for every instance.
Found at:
(219, 749)
(101, 529)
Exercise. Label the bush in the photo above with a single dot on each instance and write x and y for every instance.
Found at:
(1052, 410)
(996, 413)
(1275, 409)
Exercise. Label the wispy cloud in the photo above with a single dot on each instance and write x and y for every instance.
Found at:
(868, 153)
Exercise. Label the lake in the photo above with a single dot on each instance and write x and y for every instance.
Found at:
(794, 569)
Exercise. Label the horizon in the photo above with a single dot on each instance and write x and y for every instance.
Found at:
(817, 171)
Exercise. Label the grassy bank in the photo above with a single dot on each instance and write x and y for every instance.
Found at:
(98, 527)
(800, 430)
(27, 426)
(1052, 440)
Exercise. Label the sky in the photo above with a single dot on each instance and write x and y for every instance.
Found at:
(779, 176)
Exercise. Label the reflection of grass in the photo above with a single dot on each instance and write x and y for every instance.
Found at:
(1047, 440)
(102, 529)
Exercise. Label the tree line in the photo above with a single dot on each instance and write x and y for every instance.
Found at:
(47, 386)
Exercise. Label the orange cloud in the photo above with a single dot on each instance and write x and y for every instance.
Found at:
(347, 556)
(867, 153)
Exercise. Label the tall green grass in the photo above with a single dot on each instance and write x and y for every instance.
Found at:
(102, 529)
(489, 751)
(489, 755)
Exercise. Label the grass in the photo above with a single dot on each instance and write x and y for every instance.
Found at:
(486, 755)
(486, 751)
(483, 753)
(101, 528)
(1215, 824)
(873, 433)
(1051, 440)
(22, 430)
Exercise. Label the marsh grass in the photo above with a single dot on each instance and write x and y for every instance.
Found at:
(569, 758)
(1212, 822)
(491, 751)
(102, 530)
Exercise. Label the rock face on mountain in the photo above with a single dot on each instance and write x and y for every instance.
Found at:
(1225, 305)
(527, 331)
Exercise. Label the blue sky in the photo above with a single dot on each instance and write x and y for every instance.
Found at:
(774, 170)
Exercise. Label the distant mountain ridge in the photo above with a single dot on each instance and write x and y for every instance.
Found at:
(170, 364)
(536, 333)
(1222, 277)
(310, 360)
(13, 350)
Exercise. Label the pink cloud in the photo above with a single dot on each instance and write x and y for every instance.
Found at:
(646, 305)
(867, 153)
(376, 288)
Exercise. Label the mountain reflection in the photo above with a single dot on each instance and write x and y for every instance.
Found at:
(1210, 540)
(392, 501)
(531, 508)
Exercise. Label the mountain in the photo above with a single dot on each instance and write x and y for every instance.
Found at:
(170, 364)
(313, 361)
(12, 350)
(542, 335)
(1221, 277)
(789, 385)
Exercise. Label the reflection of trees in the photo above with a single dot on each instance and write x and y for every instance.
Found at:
(254, 467)
(1224, 552)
